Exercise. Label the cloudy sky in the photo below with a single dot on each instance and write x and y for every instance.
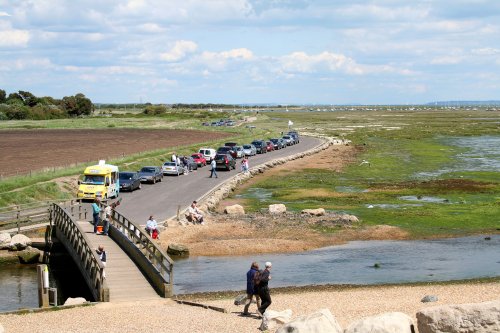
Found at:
(252, 51)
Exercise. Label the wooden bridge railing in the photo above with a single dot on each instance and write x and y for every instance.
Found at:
(75, 241)
(147, 255)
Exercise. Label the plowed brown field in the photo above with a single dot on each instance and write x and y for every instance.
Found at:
(22, 151)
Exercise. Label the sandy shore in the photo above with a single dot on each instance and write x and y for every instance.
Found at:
(166, 315)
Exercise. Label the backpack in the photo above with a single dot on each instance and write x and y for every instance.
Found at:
(256, 278)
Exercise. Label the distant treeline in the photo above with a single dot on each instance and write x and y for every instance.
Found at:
(25, 105)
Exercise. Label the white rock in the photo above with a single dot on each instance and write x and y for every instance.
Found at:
(391, 322)
(5, 241)
(272, 318)
(277, 209)
(314, 212)
(1, 329)
(19, 242)
(321, 321)
(75, 301)
(463, 318)
(234, 210)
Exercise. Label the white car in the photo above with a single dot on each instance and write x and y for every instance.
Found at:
(239, 151)
(208, 153)
(249, 150)
(171, 168)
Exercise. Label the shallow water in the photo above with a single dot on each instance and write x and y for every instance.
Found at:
(482, 154)
(18, 287)
(353, 263)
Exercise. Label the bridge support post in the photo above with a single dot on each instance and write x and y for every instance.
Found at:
(43, 285)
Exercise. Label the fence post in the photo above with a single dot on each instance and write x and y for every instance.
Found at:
(18, 215)
(178, 212)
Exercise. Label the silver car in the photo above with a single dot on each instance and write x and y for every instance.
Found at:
(249, 150)
(171, 168)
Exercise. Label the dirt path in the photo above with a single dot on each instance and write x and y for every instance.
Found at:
(260, 233)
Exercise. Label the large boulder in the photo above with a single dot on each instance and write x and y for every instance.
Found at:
(234, 210)
(5, 241)
(391, 322)
(321, 321)
(271, 319)
(277, 209)
(19, 242)
(464, 318)
(177, 250)
(314, 212)
(29, 255)
(75, 301)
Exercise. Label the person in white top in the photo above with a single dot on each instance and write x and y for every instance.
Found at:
(152, 227)
(107, 217)
(194, 214)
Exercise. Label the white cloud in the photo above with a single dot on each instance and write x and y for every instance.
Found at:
(179, 50)
(4, 14)
(447, 60)
(218, 61)
(303, 63)
(14, 38)
(486, 51)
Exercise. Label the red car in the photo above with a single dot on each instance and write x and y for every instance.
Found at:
(199, 159)
(269, 146)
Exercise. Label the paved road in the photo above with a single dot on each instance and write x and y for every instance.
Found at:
(162, 199)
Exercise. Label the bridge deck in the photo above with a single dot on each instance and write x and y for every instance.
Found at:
(125, 280)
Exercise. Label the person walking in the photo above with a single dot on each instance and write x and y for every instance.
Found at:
(264, 294)
(213, 168)
(252, 289)
(244, 164)
(102, 255)
(174, 157)
(95, 213)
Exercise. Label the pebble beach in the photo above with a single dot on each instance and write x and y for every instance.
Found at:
(166, 315)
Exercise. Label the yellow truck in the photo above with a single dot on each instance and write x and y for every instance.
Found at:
(99, 181)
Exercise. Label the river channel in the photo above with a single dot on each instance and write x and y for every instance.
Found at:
(352, 263)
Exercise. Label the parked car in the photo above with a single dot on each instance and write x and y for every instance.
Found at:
(249, 150)
(239, 151)
(277, 143)
(227, 150)
(269, 146)
(171, 168)
(150, 174)
(230, 144)
(289, 140)
(199, 159)
(208, 153)
(295, 135)
(260, 145)
(225, 161)
(230, 123)
(129, 181)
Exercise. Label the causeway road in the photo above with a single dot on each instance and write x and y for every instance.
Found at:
(162, 199)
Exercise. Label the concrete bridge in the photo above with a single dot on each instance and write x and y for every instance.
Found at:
(137, 269)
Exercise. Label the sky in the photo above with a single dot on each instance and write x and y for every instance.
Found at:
(252, 51)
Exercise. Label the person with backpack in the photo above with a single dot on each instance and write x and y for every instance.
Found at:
(264, 294)
(253, 280)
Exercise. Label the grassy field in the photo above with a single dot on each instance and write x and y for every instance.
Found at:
(420, 176)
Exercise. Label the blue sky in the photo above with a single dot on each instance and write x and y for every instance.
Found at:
(252, 51)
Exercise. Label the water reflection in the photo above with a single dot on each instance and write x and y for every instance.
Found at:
(400, 261)
(19, 287)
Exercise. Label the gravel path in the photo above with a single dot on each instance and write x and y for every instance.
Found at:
(168, 316)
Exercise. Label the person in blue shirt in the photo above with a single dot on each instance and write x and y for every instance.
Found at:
(252, 288)
(95, 213)
(213, 169)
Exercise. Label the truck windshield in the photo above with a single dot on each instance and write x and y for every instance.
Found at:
(93, 180)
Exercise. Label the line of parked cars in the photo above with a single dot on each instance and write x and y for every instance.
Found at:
(225, 158)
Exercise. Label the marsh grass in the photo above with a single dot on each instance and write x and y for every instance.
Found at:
(400, 147)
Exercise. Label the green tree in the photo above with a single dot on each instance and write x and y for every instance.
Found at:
(77, 105)
(3, 96)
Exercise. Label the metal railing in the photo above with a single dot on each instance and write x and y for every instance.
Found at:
(162, 276)
(77, 244)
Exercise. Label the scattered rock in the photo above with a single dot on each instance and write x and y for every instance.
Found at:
(384, 323)
(234, 210)
(177, 250)
(19, 242)
(429, 298)
(348, 218)
(314, 212)
(277, 209)
(463, 318)
(271, 319)
(75, 301)
(320, 321)
(5, 241)
(29, 255)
